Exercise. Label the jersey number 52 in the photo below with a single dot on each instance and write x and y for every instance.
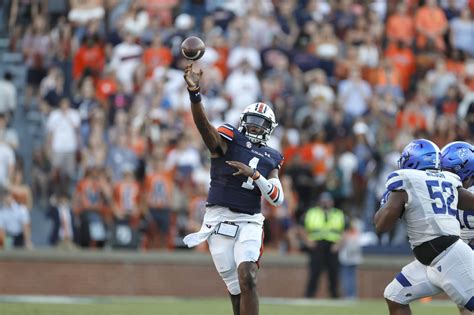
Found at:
(437, 195)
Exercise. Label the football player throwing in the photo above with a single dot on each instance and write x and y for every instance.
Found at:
(243, 168)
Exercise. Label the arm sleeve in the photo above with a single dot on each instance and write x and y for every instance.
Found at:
(271, 190)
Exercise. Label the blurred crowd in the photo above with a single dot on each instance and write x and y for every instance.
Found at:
(121, 163)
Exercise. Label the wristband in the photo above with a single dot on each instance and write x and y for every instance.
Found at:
(255, 174)
(194, 95)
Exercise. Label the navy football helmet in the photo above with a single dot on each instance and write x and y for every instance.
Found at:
(420, 154)
(458, 157)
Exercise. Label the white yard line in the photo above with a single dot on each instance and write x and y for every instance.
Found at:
(57, 299)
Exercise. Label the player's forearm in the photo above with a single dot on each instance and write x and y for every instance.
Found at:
(208, 133)
(270, 188)
(385, 219)
(465, 200)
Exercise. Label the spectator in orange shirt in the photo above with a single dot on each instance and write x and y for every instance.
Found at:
(106, 86)
(90, 57)
(126, 204)
(403, 59)
(388, 80)
(156, 55)
(158, 201)
(319, 155)
(411, 118)
(431, 24)
(400, 26)
(90, 199)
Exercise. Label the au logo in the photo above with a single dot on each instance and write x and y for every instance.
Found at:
(248, 144)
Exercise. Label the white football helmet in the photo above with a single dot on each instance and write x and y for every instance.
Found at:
(257, 122)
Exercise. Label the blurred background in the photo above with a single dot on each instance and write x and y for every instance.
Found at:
(98, 150)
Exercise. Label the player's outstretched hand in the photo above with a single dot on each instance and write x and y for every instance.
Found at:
(192, 78)
(242, 169)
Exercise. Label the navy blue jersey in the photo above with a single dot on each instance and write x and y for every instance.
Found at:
(240, 193)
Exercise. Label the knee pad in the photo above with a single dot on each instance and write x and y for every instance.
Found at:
(231, 280)
(393, 292)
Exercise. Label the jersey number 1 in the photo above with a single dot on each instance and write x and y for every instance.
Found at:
(249, 183)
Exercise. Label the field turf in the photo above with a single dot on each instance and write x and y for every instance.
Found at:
(201, 306)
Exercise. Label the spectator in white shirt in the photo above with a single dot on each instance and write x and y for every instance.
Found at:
(243, 86)
(63, 141)
(462, 32)
(7, 163)
(16, 221)
(136, 20)
(244, 51)
(126, 57)
(8, 135)
(354, 93)
(7, 94)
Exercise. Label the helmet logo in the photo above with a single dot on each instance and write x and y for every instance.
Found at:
(261, 108)
(463, 153)
(248, 144)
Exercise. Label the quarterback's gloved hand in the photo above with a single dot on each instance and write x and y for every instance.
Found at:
(384, 198)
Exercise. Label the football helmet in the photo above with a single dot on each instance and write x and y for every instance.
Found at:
(257, 122)
(420, 154)
(458, 157)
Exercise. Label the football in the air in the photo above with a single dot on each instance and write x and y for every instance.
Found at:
(193, 48)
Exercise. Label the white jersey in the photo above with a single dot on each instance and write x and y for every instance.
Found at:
(430, 211)
(466, 219)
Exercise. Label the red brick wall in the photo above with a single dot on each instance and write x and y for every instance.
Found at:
(98, 273)
(65, 278)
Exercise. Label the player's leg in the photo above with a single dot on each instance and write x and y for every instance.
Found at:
(235, 300)
(464, 311)
(395, 308)
(454, 273)
(247, 251)
(248, 286)
(222, 252)
(410, 284)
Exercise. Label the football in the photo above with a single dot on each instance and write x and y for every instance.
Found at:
(193, 48)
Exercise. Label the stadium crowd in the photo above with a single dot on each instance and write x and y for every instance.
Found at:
(351, 82)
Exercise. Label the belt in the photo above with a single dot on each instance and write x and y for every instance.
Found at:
(210, 205)
(428, 251)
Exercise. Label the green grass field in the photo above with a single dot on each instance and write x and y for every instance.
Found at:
(201, 306)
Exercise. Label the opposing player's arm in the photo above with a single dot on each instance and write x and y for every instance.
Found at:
(214, 142)
(466, 200)
(270, 188)
(388, 215)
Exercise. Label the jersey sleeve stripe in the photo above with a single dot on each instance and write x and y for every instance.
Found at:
(392, 175)
(395, 185)
(228, 127)
(226, 133)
